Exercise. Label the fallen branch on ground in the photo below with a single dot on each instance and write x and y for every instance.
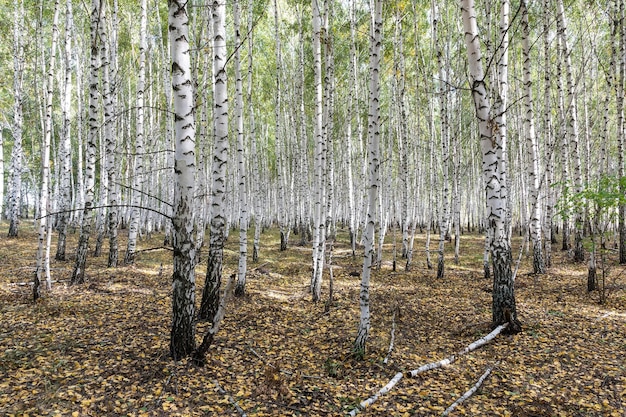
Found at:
(234, 403)
(434, 365)
(384, 390)
(469, 392)
(473, 346)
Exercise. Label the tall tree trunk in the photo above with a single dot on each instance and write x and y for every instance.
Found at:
(258, 215)
(65, 146)
(373, 177)
(619, 96)
(211, 292)
(572, 129)
(548, 137)
(17, 153)
(280, 138)
(503, 306)
(78, 275)
(137, 182)
(445, 143)
(241, 159)
(533, 167)
(182, 336)
(42, 266)
(319, 238)
(110, 138)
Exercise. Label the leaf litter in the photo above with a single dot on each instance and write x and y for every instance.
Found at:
(102, 348)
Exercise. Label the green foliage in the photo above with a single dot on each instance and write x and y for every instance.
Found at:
(601, 198)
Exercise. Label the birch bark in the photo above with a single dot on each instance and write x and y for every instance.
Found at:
(17, 153)
(319, 237)
(241, 159)
(533, 166)
(211, 292)
(65, 146)
(43, 267)
(78, 274)
(182, 336)
(503, 303)
(373, 184)
(137, 182)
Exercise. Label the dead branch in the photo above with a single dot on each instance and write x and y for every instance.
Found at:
(469, 392)
(371, 400)
(234, 403)
(473, 346)
(434, 365)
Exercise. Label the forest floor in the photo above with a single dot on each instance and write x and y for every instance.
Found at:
(101, 349)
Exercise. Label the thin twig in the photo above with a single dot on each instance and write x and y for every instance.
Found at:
(234, 403)
(471, 391)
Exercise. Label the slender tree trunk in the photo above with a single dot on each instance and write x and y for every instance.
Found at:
(572, 130)
(137, 178)
(619, 96)
(241, 159)
(78, 275)
(319, 238)
(65, 152)
(211, 293)
(373, 178)
(17, 153)
(44, 199)
(182, 336)
(533, 167)
(503, 307)
(110, 139)
(445, 143)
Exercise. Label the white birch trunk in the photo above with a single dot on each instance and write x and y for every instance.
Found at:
(182, 339)
(78, 274)
(445, 143)
(137, 182)
(211, 293)
(572, 129)
(373, 184)
(241, 159)
(255, 162)
(43, 267)
(65, 145)
(319, 228)
(110, 139)
(503, 307)
(533, 151)
(17, 153)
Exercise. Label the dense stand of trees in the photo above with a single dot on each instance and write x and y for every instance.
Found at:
(445, 117)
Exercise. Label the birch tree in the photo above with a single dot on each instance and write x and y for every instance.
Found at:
(182, 342)
(211, 292)
(319, 229)
(42, 266)
(110, 138)
(373, 184)
(241, 158)
(572, 128)
(137, 183)
(533, 166)
(445, 141)
(503, 305)
(78, 274)
(17, 153)
(65, 146)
